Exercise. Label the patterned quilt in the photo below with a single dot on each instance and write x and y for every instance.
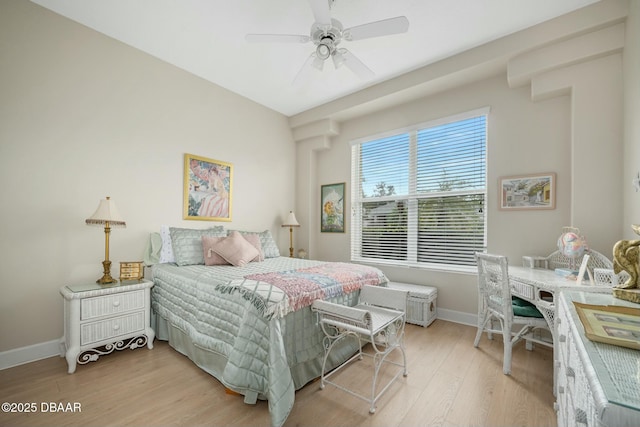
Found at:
(280, 293)
(251, 327)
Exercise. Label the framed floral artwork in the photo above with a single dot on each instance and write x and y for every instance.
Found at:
(332, 208)
(208, 187)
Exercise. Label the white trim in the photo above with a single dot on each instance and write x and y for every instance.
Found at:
(483, 111)
(28, 354)
(458, 317)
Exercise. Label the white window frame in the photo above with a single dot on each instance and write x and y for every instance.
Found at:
(412, 197)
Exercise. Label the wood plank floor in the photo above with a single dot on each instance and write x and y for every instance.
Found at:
(450, 383)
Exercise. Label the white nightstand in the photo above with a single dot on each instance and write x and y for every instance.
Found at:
(99, 319)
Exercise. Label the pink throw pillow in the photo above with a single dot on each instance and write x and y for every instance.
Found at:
(210, 256)
(236, 250)
(254, 239)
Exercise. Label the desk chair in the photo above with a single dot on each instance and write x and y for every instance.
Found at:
(379, 319)
(596, 260)
(495, 302)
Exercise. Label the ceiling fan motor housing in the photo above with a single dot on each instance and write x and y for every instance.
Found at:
(326, 38)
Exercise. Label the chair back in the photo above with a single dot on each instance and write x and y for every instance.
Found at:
(494, 292)
(596, 260)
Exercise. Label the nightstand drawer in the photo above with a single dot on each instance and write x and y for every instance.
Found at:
(105, 329)
(111, 304)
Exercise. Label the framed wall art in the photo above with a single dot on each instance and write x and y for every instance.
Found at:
(536, 191)
(208, 188)
(332, 208)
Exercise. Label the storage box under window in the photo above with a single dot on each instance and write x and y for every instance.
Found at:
(421, 303)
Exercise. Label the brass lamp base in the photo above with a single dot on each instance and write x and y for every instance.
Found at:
(290, 242)
(106, 277)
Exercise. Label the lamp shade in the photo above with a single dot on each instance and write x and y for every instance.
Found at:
(291, 221)
(107, 212)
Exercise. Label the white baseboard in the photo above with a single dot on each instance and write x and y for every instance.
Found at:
(30, 353)
(458, 317)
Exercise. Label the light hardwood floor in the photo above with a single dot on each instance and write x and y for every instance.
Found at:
(450, 383)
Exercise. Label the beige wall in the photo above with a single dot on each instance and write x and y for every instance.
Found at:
(83, 117)
(524, 137)
(631, 119)
(556, 106)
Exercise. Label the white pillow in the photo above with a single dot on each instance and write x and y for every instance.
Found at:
(166, 253)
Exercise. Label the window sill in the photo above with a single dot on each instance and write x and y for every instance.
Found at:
(456, 269)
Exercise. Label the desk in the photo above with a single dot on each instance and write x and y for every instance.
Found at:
(598, 384)
(540, 286)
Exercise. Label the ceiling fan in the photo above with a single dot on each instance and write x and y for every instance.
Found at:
(327, 33)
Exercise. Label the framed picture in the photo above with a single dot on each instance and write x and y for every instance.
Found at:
(520, 192)
(332, 208)
(611, 324)
(207, 189)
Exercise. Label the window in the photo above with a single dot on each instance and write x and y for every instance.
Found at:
(418, 195)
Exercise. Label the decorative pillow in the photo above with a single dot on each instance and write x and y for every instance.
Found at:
(166, 253)
(236, 250)
(210, 256)
(269, 247)
(187, 243)
(254, 239)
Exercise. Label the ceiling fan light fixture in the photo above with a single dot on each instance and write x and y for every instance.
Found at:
(323, 51)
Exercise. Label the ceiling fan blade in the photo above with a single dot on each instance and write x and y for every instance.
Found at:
(312, 62)
(276, 38)
(385, 27)
(321, 12)
(355, 65)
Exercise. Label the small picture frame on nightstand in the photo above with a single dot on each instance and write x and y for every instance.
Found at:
(132, 270)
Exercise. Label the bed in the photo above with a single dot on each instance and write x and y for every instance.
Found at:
(251, 326)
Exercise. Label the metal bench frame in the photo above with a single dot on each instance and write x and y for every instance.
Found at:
(378, 319)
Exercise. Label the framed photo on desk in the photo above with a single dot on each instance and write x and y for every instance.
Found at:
(609, 324)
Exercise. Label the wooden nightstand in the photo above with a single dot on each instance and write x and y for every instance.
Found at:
(100, 319)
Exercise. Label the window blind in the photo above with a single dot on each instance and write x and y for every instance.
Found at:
(418, 194)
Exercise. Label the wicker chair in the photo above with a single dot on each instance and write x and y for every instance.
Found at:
(495, 303)
(596, 260)
(599, 267)
(379, 319)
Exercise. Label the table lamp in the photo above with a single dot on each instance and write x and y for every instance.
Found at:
(291, 222)
(106, 215)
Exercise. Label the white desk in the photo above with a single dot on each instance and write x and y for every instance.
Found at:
(541, 286)
(598, 384)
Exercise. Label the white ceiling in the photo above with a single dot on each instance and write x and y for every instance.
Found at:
(206, 38)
